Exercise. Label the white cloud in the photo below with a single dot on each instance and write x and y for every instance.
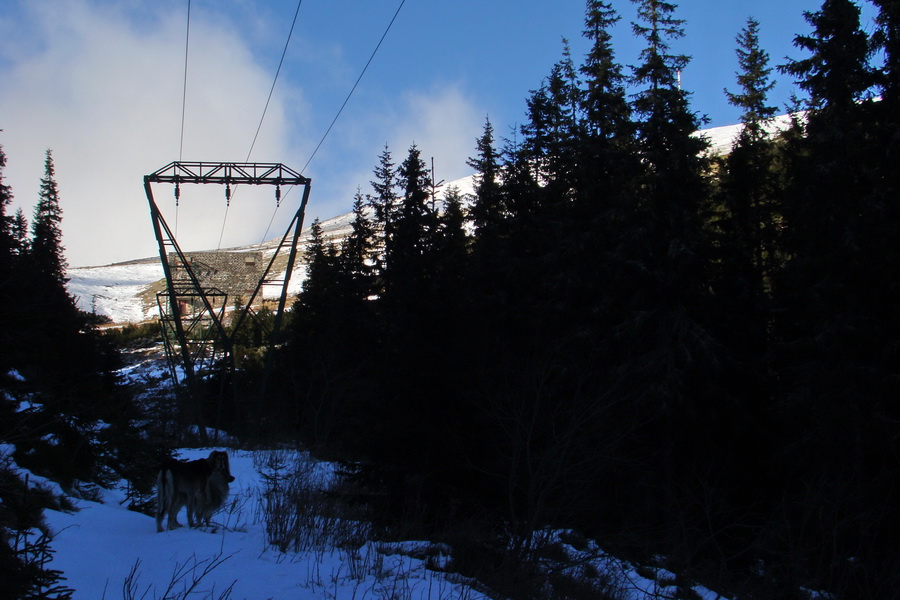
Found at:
(101, 85)
(104, 93)
(443, 122)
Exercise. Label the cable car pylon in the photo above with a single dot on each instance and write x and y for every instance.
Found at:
(192, 310)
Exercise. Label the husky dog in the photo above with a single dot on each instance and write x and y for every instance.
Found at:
(201, 485)
(215, 492)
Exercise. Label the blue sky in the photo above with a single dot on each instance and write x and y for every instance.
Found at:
(100, 83)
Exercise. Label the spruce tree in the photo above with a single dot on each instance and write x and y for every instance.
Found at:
(411, 228)
(322, 270)
(8, 258)
(550, 137)
(887, 38)
(755, 81)
(837, 295)
(606, 113)
(46, 252)
(7, 223)
(539, 184)
(837, 73)
(830, 178)
(607, 163)
(662, 314)
(20, 233)
(68, 368)
(749, 186)
(605, 109)
(487, 209)
(885, 225)
(384, 199)
(357, 251)
(383, 202)
(744, 262)
(564, 144)
(671, 190)
(449, 293)
(519, 188)
(536, 135)
(452, 242)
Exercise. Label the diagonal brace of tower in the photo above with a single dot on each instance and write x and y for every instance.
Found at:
(191, 313)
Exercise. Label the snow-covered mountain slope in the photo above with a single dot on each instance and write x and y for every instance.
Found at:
(721, 139)
(126, 292)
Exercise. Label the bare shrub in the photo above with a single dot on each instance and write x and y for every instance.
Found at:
(300, 512)
(184, 583)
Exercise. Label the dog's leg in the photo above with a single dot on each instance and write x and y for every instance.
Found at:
(192, 508)
(162, 499)
(175, 503)
(207, 504)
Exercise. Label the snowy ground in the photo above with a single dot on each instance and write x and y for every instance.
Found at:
(107, 551)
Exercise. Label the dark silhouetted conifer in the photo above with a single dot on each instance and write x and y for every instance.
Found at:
(837, 72)
(487, 208)
(8, 258)
(887, 38)
(46, 249)
(664, 235)
(749, 188)
(837, 296)
(20, 233)
(7, 222)
(411, 228)
(384, 203)
(321, 285)
(607, 161)
(606, 114)
(357, 251)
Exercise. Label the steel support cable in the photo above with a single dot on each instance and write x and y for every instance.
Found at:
(275, 80)
(353, 89)
(224, 220)
(263, 117)
(187, 41)
(272, 220)
(341, 109)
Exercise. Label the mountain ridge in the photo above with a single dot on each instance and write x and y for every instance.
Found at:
(124, 291)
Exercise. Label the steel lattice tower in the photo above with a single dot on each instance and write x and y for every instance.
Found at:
(191, 312)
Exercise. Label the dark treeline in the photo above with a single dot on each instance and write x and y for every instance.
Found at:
(53, 359)
(680, 354)
(63, 413)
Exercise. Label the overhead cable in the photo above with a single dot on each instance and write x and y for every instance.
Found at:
(265, 110)
(353, 89)
(275, 80)
(187, 45)
(187, 39)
